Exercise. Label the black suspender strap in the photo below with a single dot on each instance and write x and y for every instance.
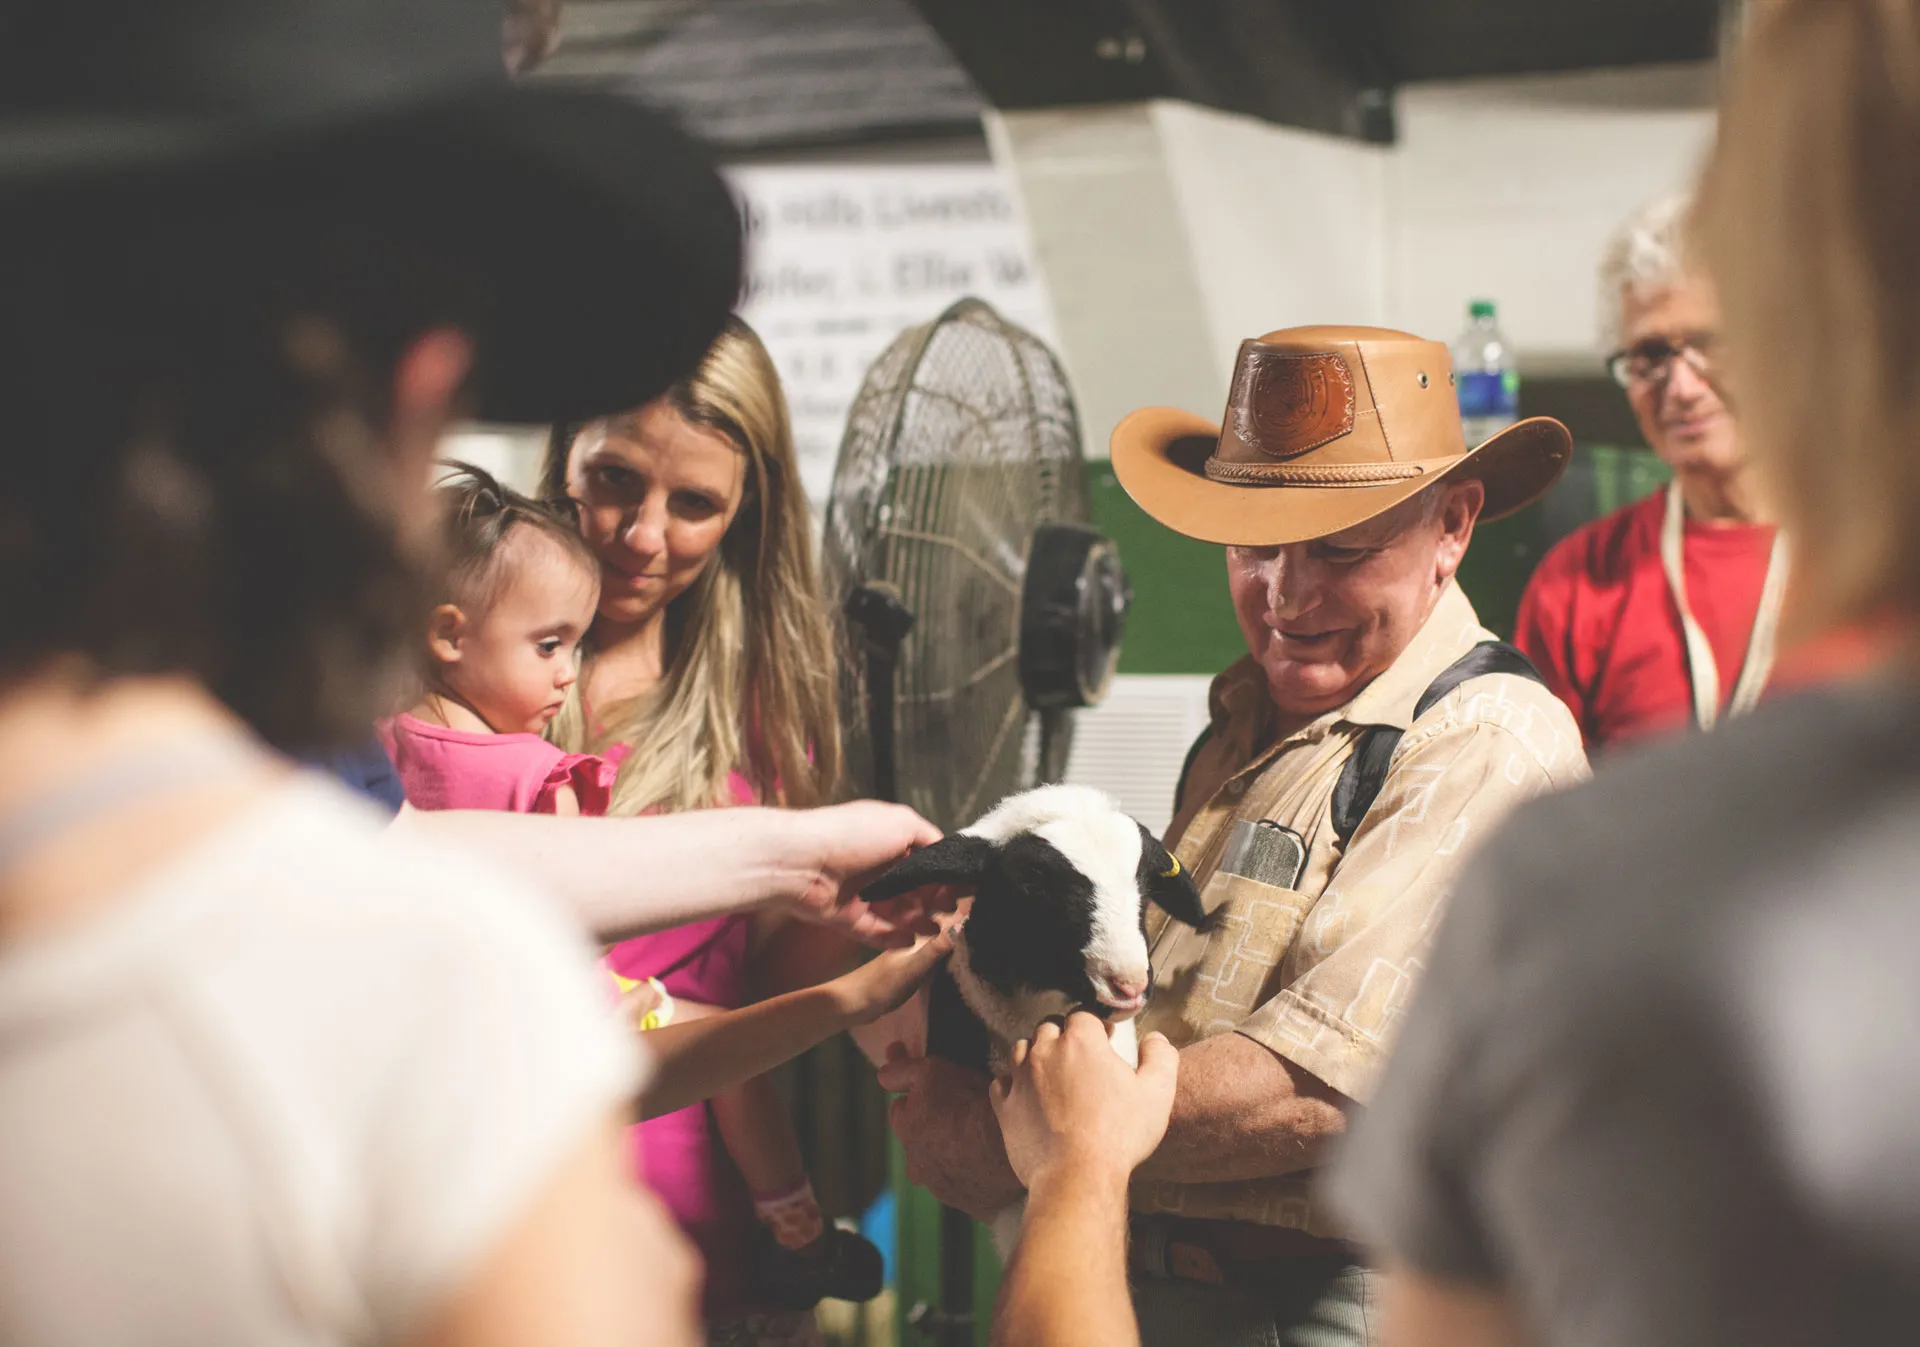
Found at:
(1186, 768)
(1361, 779)
(1365, 774)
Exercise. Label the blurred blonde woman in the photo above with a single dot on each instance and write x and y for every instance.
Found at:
(1664, 1088)
(711, 658)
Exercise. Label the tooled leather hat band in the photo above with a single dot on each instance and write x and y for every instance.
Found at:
(1309, 474)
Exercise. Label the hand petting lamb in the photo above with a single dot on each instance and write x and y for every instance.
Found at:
(1061, 882)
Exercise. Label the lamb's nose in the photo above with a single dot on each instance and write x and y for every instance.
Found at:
(1125, 991)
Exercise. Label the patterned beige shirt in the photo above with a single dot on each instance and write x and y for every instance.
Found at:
(1321, 974)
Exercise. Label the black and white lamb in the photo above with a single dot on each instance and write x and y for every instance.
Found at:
(1061, 881)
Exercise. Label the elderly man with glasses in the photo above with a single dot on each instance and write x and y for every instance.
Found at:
(1662, 613)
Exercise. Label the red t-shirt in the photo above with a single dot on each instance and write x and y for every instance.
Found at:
(1600, 623)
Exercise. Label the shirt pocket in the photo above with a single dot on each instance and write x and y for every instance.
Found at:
(1214, 981)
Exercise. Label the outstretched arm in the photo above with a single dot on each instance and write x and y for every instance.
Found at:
(1077, 1119)
(625, 877)
(698, 1058)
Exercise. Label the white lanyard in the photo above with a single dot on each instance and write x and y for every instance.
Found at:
(1702, 671)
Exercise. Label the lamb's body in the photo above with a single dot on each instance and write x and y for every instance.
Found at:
(1005, 1225)
(1061, 881)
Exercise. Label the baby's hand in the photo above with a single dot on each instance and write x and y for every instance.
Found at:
(884, 982)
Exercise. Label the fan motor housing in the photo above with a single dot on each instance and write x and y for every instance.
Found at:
(1073, 612)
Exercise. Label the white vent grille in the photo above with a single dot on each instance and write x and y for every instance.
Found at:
(1133, 744)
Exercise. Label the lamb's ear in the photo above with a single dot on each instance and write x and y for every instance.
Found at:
(1168, 885)
(954, 859)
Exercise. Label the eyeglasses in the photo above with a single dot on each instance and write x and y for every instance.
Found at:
(1651, 361)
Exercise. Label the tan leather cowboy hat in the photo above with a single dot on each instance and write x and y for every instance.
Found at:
(1325, 427)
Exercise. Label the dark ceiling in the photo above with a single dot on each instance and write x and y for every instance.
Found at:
(1325, 64)
(1452, 39)
(765, 74)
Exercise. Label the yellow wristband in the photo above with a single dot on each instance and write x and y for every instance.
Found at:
(661, 1015)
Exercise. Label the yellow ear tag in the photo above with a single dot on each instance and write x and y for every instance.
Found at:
(1169, 874)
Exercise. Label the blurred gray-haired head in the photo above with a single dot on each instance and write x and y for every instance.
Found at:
(1647, 252)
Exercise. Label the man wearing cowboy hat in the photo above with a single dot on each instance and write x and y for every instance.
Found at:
(1372, 735)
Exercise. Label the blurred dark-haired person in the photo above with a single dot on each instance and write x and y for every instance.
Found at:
(1664, 613)
(1662, 1084)
(271, 1073)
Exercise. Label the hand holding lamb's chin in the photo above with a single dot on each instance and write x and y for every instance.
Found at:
(1069, 1102)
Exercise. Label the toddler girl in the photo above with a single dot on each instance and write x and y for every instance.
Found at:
(502, 649)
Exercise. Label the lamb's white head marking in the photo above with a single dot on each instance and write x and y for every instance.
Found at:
(1087, 828)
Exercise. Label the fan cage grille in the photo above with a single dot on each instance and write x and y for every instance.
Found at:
(963, 439)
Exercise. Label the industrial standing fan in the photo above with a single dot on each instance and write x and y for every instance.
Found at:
(981, 607)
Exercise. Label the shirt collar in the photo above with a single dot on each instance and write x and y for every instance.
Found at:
(1239, 700)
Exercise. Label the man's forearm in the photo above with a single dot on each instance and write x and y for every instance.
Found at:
(1066, 1285)
(949, 1138)
(626, 877)
(1243, 1112)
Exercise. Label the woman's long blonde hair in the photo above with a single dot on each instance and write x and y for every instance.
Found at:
(749, 681)
(1809, 221)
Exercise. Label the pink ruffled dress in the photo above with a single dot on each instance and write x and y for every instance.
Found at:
(679, 1154)
(441, 768)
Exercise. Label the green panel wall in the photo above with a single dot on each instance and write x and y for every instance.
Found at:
(917, 1235)
(1182, 621)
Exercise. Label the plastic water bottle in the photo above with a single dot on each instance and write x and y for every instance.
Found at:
(1484, 376)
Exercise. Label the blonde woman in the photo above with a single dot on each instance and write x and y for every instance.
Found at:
(1664, 1086)
(711, 658)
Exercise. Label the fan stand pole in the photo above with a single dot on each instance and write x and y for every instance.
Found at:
(884, 621)
(954, 1327)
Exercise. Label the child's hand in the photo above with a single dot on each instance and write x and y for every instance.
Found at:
(884, 982)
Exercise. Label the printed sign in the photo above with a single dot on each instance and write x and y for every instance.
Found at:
(842, 259)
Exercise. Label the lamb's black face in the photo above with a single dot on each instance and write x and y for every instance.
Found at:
(1033, 921)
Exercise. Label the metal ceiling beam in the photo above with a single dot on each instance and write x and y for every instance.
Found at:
(1328, 65)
